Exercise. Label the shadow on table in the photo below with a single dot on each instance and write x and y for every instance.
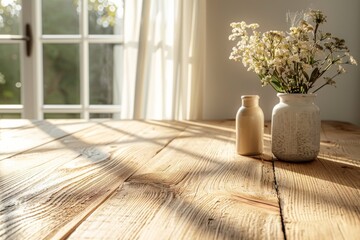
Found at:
(113, 169)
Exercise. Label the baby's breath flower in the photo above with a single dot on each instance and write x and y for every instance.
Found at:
(352, 60)
(290, 61)
(253, 26)
(265, 80)
(341, 69)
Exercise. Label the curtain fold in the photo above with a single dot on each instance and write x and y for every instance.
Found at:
(164, 51)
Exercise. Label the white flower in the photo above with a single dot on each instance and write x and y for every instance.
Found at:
(253, 26)
(294, 58)
(341, 69)
(290, 61)
(352, 60)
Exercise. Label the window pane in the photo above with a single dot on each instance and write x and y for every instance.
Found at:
(60, 16)
(10, 115)
(10, 13)
(101, 115)
(61, 115)
(10, 84)
(105, 16)
(105, 68)
(61, 74)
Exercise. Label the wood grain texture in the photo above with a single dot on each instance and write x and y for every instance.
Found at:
(17, 136)
(171, 180)
(76, 174)
(321, 199)
(195, 188)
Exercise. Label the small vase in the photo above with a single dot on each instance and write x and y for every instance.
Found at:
(295, 128)
(249, 126)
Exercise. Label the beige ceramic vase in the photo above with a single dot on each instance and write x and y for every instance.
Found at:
(249, 126)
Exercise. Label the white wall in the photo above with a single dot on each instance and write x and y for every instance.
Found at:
(226, 80)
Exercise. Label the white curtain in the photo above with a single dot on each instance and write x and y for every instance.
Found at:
(164, 50)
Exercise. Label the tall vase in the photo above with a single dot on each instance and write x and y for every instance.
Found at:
(295, 128)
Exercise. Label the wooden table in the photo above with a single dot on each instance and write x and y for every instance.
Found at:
(171, 180)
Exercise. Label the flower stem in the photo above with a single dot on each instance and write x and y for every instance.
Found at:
(320, 87)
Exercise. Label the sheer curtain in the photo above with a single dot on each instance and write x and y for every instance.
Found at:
(164, 50)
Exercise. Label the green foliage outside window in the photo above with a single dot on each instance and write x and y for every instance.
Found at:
(61, 72)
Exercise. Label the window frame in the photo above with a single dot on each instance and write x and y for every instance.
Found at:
(32, 104)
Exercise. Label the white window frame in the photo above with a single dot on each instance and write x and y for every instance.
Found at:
(32, 106)
(27, 101)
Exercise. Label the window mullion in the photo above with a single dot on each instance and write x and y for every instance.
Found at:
(38, 58)
(31, 80)
(84, 63)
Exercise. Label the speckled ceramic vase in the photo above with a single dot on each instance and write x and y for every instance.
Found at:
(295, 128)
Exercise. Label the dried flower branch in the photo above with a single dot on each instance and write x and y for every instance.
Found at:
(291, 62)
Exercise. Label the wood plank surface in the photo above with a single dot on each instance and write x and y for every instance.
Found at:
(195, 188)
(321, 199)
(171, 180)
(77, 174)
(17, 136)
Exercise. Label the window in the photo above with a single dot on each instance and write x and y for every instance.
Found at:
(74, 66)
